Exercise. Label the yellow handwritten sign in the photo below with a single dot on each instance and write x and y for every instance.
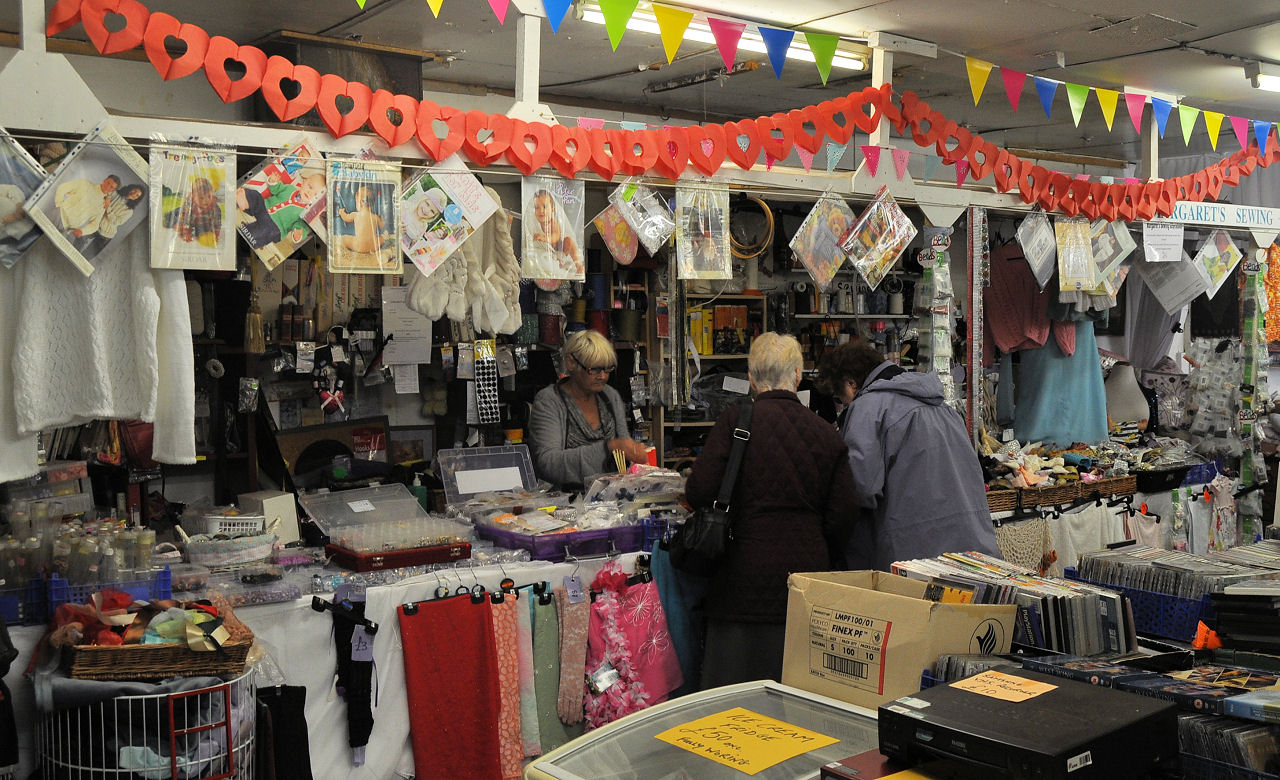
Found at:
(1003, 686)
(744, 740)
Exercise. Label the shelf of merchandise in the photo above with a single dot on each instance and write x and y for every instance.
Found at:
(742, 356)
(725, 296)
(688, 423)
(852, 316)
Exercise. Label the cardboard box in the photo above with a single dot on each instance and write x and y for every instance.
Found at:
(865, 637)
(272, 504)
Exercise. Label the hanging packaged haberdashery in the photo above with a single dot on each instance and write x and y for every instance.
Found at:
(817, 243)
(703, 248)
(645, 212)
(20, 176)
(876, 241)
(1039, 246)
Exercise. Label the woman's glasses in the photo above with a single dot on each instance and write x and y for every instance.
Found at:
(595, 370)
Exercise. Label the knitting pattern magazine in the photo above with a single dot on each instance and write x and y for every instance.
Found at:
(440, 210)
(364, 217)
(20, 177)
(552, 228)
(194, 191)
(282, 203)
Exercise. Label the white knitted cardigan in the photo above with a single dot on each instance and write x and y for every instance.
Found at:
(116, 344)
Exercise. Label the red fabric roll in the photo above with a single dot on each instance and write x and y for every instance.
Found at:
(451, 678)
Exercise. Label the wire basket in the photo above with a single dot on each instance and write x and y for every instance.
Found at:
(227, 525)
(202, 734)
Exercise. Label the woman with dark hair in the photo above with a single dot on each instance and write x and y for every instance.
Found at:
(916, 474)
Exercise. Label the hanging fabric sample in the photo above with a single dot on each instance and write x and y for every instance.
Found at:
(1061, 398)
(510, 741)
(451, 681)
(529, 735)
(354, 647)
(574, 616)
(552, 731)
(292, 754)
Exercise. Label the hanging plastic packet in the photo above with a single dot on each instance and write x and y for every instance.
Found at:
(192, 219)
(21, 176)
(645, 212)
(702, 232)
(294, 181)
(618, 237)
(817, 243)
(1039, 247)
(878, 238)
(306, 357)
(248, 394)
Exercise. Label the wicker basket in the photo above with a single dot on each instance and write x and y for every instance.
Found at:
(157, 662)
(1111, 486)
(1058, 494)
(1002, 500)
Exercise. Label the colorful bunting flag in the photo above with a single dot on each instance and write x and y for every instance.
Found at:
(823, 46)
(901, 157)
(1262, 131)
(1013, 82)
(1076, 95)
(435, 7)
(590, 123)
(777, 42)
(1081, 177)
(500, 9)
(872, 155)
(727, 35)
(743, 142)
(1107, 179)
(962, 171)
(1129, 180)
(1213, 124)
(361, 4)
(1046, 88)
(835, 152)
(1241, 127)
(1135, 103)
(1187, 116)
(1160, 110)
(672, 22)
(806, 157)
(979, 71)
(626, 125)
(556, 9)
(1107, 102)
(616, 14)
(768, 161)
(931, 163)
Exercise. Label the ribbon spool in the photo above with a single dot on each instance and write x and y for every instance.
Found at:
(599, 322)
(598, 291)
(578, 311)
(626, 324)
(549, 332)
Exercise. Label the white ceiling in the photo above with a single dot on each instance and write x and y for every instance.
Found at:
(1189, 49)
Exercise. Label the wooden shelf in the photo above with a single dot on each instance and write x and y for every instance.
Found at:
(725, 297)
(852, 316)
(688, 423)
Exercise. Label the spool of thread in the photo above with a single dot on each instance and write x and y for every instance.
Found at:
(528, 333)
(895, 303)
(528, 297)
(549, 332)
(599, 322)
(578, 310)
(626, 324)
(598, 291)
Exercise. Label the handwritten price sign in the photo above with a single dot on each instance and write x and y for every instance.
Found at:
(744, 740)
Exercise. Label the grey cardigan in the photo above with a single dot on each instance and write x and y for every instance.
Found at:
(548, 421)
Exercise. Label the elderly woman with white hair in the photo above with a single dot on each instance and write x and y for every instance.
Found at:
(577, 422)
(791, 510)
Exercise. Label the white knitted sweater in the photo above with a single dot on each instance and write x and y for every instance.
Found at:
(116, 344)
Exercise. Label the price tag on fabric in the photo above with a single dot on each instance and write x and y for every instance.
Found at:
(745, 740)
(337, 354)
(361, 645)
(998, 685)
(573, 586)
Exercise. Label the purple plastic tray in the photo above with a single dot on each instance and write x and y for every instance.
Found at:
(552, 547)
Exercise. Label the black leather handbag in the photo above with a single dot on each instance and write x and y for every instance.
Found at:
(698, 546)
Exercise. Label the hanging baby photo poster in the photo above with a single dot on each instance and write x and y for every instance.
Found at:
(878, 238)
(364, 217)
(20, 177)
(702, 232)
(1216, 260)
(193, 190)
(91, 202)
(1039, 247)
(617, 235)
(817, 242)
(645, 211)
(1076, 269)
(440, 209)
(281, 203)
(552, 228)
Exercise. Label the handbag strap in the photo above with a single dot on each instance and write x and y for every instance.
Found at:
(741, 435)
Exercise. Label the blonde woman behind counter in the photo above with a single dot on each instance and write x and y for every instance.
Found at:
(578, 421)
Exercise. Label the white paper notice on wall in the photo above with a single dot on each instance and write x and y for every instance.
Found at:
(1162, 242)
(406, 379)
(733, 384)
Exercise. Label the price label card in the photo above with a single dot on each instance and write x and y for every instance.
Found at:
(998, 685)
(744, 740)
(361, 645)
(360, 506)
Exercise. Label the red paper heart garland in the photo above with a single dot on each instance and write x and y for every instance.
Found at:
(94, 15)
(215, 68)
(308, 81)
(456, 122)
(160, 28)
(380, 118)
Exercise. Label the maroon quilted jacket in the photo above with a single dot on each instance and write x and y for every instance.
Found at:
(794, 493)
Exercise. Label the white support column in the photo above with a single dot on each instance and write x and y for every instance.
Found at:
(881, 73)
(1151, 148)
(528, 105)
(39, 90)
(32, 30)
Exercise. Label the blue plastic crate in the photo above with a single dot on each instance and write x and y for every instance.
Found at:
(24, 604)
(157, 586)
(1159, 614)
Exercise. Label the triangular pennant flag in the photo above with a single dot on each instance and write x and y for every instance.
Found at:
(901, 157)
(672, 22)
(1187, 116)
(1076, 95)
(743, 142)
(1013, 81)
(556, 9)
(978, 70)
(590, 123)
(1136, 103)
(1160, 110)
(435, 7)
(872, 155)
(1107, 102)
(1132, 180)
(1262, 131)
(823, 46)
(1213, 124)
(361, 3)
(616, 14)
(806, 157)
(500, 9)
(834, 154)
(962, 171)
(1107, 179)
(1081, 177)
(1046, 89)
(777, 42)
(625, 125)
(768, 161)
(727, 35)
(1241, 127)
(931, 163)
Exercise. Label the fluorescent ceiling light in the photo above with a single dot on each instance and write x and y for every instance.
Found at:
(1263, 76)
(644, 21)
